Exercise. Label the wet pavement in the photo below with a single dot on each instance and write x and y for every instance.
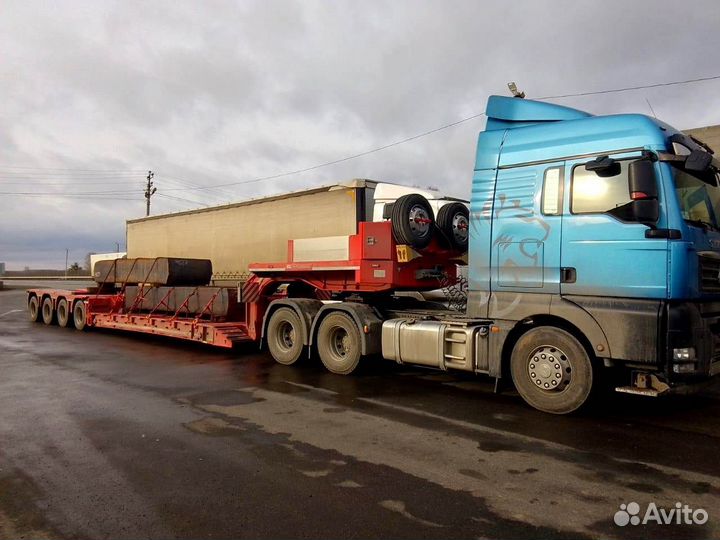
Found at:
(113, 435)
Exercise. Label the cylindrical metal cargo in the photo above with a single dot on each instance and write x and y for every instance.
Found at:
(216, 301)
(156, 271)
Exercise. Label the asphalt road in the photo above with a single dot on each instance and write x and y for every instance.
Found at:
(111, 435)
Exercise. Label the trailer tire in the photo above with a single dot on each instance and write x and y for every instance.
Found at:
(79, 315)
(63, 313)
(48, 313)
(34, 309)
(339, 344)
(284, 336)
(551, 370)
(412, 220)
(453, 220)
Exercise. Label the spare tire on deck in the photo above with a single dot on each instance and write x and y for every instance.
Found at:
(453, 220)
(413, 221)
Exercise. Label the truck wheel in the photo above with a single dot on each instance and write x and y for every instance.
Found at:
(338, 343)
(412, 220)
(284, 336)
(48, 313)
(63, 313)
(79, 315)
(453, 220)
(34, 309)
(551, 370)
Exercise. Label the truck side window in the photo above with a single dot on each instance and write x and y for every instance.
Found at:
(593, 194)
(552, 192)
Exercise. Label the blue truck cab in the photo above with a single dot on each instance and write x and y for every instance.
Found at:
(594, 243)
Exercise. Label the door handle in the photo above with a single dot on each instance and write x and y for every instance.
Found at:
(568, 274)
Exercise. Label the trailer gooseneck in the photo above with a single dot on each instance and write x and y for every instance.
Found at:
(592, 243)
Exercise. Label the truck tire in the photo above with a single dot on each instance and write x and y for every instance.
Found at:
(34, 309)
(338, 343)
(551, 370)
(63, 313)
(284, 336)
(48, 313)
(412, 221)
(79, 315)
(453, 220)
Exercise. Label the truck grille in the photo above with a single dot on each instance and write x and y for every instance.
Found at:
(709, 274)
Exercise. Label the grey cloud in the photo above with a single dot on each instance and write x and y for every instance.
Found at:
(215, 92)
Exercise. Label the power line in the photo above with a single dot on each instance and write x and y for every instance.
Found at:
(441, 128)
(44, 183)
(376, 149)
(180, 199)
(221, 194)
(335, 161)
(73, 194)
(135, 171)
(629, 88)
(43, 176)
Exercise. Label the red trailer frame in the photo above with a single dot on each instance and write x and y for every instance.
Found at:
(376, 265)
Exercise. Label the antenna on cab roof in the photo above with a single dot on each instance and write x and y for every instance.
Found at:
(514, 90)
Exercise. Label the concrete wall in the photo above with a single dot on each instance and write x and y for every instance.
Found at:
(256, 231)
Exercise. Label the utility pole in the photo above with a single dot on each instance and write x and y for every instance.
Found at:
(149, 192)
(67, 252)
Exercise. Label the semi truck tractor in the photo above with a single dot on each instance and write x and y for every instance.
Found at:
(593, 246)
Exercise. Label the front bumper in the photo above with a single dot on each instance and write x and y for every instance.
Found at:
(692, 348)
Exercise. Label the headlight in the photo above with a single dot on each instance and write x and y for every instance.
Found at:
(687, 353)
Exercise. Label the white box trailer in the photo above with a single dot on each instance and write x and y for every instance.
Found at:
(234, 235)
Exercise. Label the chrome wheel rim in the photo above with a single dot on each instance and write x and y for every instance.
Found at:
(420, 221)
(340, 343)
(286, 336)
(460, 228)
(549, 368)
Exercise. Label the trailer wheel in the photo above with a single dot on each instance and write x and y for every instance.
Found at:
(551, 370)
(412, 220)
(48, 313)
(63, 313)
(34, 309)
(338, 343)
(284, 336)
(79, 315)
(453, 220)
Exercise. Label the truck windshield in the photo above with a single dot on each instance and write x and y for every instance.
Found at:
(699, 196)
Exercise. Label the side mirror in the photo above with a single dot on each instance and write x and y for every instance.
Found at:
(641, 180)
(698, 160)
(603, 166)
(642, 186)
(645, 210)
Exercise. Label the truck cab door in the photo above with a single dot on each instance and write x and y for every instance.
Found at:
(527, 218)
(605, 253)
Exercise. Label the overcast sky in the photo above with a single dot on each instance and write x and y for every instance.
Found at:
(93, 94)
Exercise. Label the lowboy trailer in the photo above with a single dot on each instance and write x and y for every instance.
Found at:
(289, 304)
